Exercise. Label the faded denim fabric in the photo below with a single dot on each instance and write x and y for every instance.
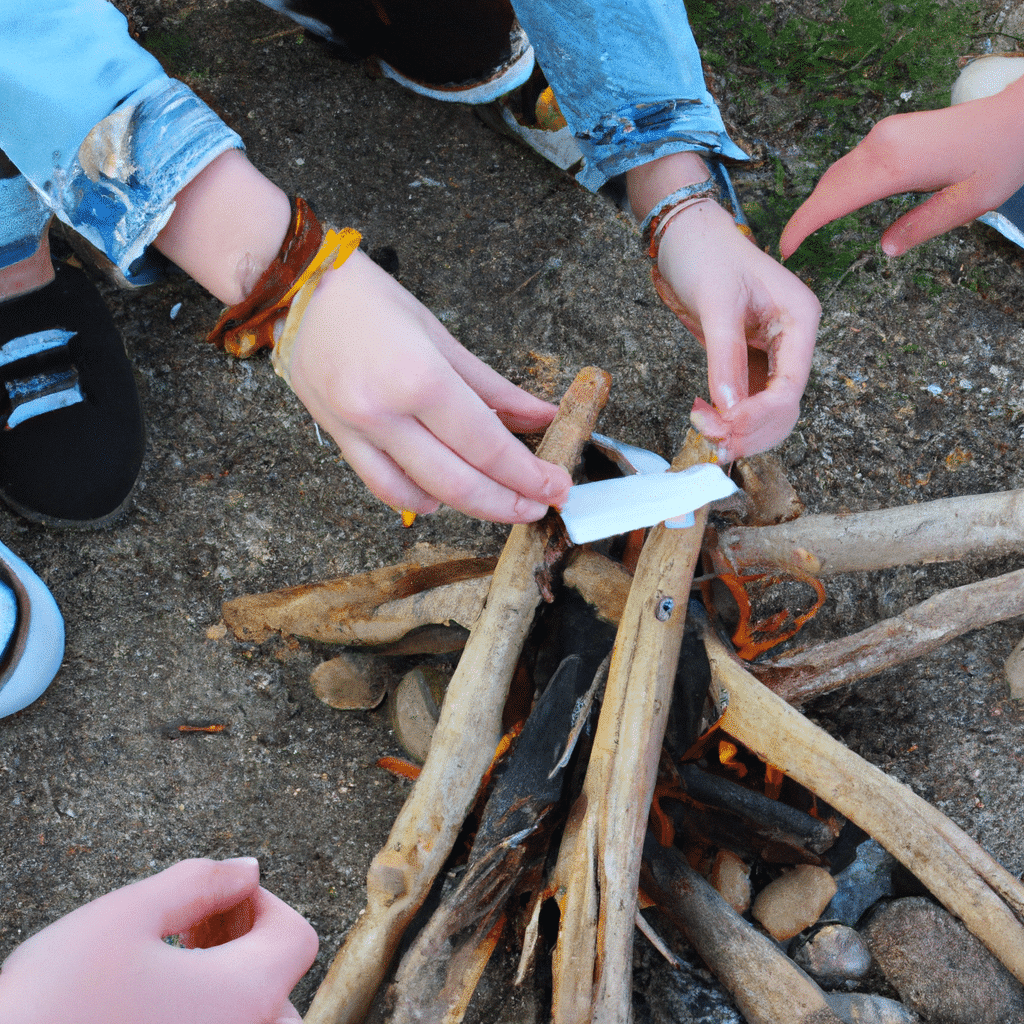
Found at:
(101, 133)
(628, 79)
(23, 219)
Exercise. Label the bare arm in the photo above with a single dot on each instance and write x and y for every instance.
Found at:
(420, 418)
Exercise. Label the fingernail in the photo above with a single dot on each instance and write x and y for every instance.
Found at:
(728, 395)
(555, 487)
(701, 421)
(890, 248)
(528, 511)
(243, 862)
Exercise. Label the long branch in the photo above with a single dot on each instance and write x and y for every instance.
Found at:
(810, 672)
(957, 871)
(945, 530)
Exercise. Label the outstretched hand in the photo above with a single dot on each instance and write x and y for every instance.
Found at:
(415, 414)
(733, 297)
(107, 961)
(971, 156)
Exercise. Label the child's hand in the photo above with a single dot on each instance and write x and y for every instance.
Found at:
(107, 962)
(731, 295)
(415, 414)
(970, 155)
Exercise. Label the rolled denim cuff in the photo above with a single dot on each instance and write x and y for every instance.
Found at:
(646, 131)
(23, 220)
(119, 191)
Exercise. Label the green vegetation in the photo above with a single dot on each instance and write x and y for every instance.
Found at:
(173, 50)
(827, 79)
(872, 50)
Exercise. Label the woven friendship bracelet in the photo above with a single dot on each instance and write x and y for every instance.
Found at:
(251, 324)
(336, 248)
(657, 220)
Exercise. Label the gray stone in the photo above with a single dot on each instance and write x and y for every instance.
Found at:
(862, 884)
(939, 968)
(858, 1008)
(834, 954)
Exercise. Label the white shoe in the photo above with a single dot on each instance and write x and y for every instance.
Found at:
(34, 630)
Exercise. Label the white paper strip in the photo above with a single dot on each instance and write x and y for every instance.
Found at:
(605, 508)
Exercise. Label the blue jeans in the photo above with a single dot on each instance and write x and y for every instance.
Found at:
(628, 79)
(103, 139)
(627, 73)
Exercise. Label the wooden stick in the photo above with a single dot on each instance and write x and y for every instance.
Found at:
(986, 525)
(965, 879)
(767, 986)
(435, 585)
(463, 744)
(919, 630)
(594, 959)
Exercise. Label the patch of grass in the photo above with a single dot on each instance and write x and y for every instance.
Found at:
(820, 82)
(172, 49)
(927, 284)
(874, 50)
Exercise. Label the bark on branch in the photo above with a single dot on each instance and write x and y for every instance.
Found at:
(808, 673)
(946, 530)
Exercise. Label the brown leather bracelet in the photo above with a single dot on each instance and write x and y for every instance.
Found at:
(249, 325)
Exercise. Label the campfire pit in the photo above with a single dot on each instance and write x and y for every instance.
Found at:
(594, 872)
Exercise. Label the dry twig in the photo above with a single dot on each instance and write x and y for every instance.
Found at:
(804, 674)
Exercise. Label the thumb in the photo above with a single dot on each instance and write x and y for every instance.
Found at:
(172, 901)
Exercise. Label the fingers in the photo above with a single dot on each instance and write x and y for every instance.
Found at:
(288, 1015)
(850, 183)
(249, 978)
(281, 942)
(780, 318)
(417, 459)
(517, 409)
(952, 207)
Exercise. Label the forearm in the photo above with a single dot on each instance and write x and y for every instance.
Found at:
(106, 139)
(228, 224)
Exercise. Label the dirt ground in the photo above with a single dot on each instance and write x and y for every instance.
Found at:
(241, 495)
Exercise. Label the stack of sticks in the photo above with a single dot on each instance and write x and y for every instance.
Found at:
(601, 856)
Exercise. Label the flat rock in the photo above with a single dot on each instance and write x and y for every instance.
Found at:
(939, 968)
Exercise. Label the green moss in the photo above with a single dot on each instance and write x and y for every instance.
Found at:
(828, 80)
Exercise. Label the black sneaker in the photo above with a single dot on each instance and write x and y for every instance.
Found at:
(466, 51)
(71, 430)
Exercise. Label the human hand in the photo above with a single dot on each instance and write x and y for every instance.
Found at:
(415, 414)
(733, 298)
(971, 156)
(107, 962)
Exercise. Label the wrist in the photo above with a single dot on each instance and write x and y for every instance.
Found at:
(648, 184)
(227, 227)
